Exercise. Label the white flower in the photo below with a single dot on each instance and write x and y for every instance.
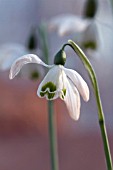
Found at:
(10, 52)
(68, 23)
(90, 40)
(85, 30)
(59, 82)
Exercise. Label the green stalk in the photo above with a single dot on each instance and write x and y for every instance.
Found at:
(44, 41)
(51, 115)
(101, 119)
(111, 4)
(52, 136)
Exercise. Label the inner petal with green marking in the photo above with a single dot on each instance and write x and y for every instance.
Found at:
(50, 85)
(48, 89)
(64, 93)
(90, 44)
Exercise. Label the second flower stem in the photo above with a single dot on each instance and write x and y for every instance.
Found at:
(51, 115)
(52, 136)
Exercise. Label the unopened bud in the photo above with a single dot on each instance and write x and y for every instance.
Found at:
(32, 41)
(90, 8)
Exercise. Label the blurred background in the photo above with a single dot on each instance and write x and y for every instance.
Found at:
(24, 142)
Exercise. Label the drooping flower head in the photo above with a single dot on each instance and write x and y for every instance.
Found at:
(84, 29)
(69, 23)
(12, 51)
(59, 82)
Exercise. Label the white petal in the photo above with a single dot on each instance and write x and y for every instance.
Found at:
(72, 100)
(74, 25)
(9, 53)
(54, 76)
(18, 64)
(78, 82)
(32, 71)
(66, 24)
(55, 22)
(91, 34)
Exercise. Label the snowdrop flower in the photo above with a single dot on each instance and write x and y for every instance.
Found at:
(90, 40)
(85, 32)
(12, 51)
(84, 28)
(59, 82)
(9, 53)
(67, 23)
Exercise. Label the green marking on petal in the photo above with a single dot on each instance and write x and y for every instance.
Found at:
(42, 94)
(90, 44)
(52, 89)
(50, 85)
(50, 95)
(64, 92)
(34, 75)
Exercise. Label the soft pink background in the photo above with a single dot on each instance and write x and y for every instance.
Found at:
(24, 143)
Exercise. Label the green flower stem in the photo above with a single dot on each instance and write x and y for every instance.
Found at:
(111, 1)
(52, 135)
(51, 115)
(93, 79)
(44, 41)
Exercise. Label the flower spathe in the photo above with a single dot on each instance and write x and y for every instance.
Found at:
(59, 82)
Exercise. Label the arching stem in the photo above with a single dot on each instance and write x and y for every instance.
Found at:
(101, 118)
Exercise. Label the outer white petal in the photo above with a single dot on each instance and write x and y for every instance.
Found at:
(78, 81)
(72, 100)
(29, 71)
(9, 53)
(57, 21)
(73, 25)
(18, 64)
(55, 76)
(66, 24)
(91, 34)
